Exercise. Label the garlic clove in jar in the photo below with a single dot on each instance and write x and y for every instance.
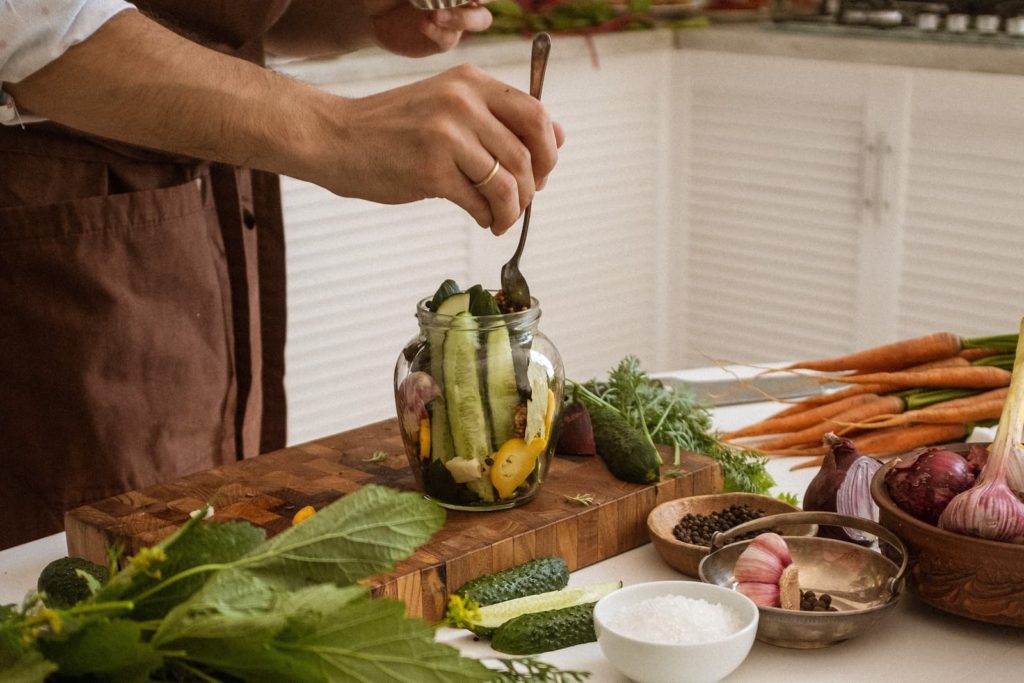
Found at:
(765, 573)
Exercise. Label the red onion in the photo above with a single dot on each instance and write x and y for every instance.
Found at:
(994, 508)
(843, 485)
(923, 484)
(854, 495)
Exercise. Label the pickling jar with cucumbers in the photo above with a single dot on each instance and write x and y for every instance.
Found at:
(478, 392)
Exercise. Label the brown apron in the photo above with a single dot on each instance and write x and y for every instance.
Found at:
(141, 306)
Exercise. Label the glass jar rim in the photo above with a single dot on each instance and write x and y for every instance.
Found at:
(531, 314)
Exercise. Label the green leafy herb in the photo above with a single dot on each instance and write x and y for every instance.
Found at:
(790, 498)
(215, 602)
(529, 669)
(577, 16)
(584, 499)
(672, 416)
(377, 456)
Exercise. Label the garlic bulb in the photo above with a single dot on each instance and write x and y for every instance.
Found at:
(765, 573)
(993, 508)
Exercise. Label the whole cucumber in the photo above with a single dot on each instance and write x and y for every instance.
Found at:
(624, 449)
(537, 632)
(539, 575)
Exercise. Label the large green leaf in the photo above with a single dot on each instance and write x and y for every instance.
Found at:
(208, 544)
(104, 651)
(322, 633)
(195, 544)
(362, 534)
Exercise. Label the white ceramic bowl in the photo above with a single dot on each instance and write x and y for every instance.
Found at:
(647, 662)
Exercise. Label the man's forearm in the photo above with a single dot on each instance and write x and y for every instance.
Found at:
(137, 82)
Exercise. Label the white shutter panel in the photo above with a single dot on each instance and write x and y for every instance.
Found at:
(775, 168)
(964, 225)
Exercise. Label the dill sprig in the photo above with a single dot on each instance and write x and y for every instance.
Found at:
(529, 669)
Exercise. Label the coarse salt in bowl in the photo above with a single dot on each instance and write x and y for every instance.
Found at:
(675, 631)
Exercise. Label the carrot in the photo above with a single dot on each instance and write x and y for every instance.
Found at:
(880, 406)
(975, 354)
(819, 399)
(899, 439)
(951, 362)
(800, 451)
(805, 418)
(940, 412)
(973, 377)
(989, 395)
(822, 399)
(929, 403)
(894, 356)
(813, 462)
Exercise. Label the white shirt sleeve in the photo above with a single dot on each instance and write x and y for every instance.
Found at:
(33, 33)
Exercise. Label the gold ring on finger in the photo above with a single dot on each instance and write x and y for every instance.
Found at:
(490, 176)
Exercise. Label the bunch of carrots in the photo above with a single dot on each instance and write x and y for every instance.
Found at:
(911, 393)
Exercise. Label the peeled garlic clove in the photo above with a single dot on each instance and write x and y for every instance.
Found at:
(776, 545)
(789, 588)
(759, 564)
(763, 594)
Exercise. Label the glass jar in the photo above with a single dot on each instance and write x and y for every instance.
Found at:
(478, 400)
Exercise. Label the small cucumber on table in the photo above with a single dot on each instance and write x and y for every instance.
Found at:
(535, 576)
(537, 632)
(487, 621)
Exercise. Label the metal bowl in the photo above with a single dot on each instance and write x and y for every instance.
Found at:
(864, 583)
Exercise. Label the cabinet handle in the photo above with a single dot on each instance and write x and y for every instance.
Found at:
(868, 180)
(883, 152)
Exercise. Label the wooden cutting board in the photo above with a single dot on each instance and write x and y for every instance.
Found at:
(268, 490)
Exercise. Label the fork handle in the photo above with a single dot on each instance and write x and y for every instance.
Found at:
(538, 67)
(539, 63)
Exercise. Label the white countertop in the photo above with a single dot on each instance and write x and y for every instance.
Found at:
(915, 644)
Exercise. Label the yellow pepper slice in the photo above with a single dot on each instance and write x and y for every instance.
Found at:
(513, 463)
(303, 514)
(549, 415)
(424, 438)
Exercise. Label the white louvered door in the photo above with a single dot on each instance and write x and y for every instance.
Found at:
(963, 236)
(784, 224)
(594, 255)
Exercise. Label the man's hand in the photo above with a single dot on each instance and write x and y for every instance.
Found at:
(399, 27)
(440, 137)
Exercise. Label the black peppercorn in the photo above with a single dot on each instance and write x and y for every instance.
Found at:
(698, 529)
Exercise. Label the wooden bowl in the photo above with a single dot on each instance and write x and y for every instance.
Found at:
(971, 577)
(685, 557)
